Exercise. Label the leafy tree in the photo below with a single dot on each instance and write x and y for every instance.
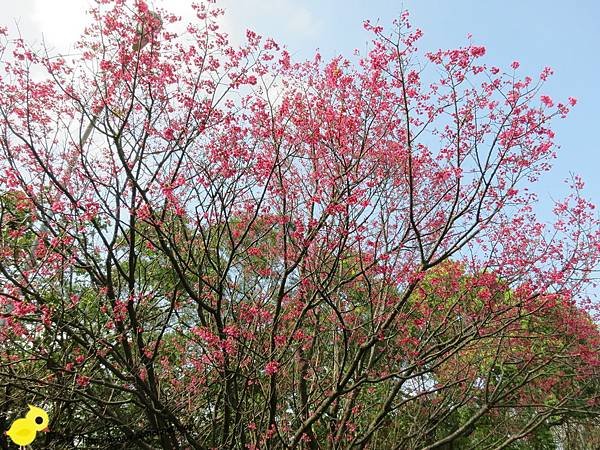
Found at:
(205, 246)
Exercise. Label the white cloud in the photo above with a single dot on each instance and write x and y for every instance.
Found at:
(61, 22)
(288, 19)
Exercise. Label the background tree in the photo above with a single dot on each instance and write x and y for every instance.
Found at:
(248, 252)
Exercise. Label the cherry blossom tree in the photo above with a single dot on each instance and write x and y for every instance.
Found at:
(207, 246)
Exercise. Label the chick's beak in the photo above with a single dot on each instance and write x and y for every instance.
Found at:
(45, 430)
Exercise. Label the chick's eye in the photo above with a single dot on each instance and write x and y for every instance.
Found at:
(39, 420)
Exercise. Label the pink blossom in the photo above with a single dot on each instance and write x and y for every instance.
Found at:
(546, 73)
(546, 100)
(477, 51)
(272, 367)
(82, 380)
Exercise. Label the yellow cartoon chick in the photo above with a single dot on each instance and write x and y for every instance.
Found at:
(22, 431)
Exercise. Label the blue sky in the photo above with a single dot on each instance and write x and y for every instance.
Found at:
(562, 35)
(538, 33)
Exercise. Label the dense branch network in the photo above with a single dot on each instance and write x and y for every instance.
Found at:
(205, 246)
